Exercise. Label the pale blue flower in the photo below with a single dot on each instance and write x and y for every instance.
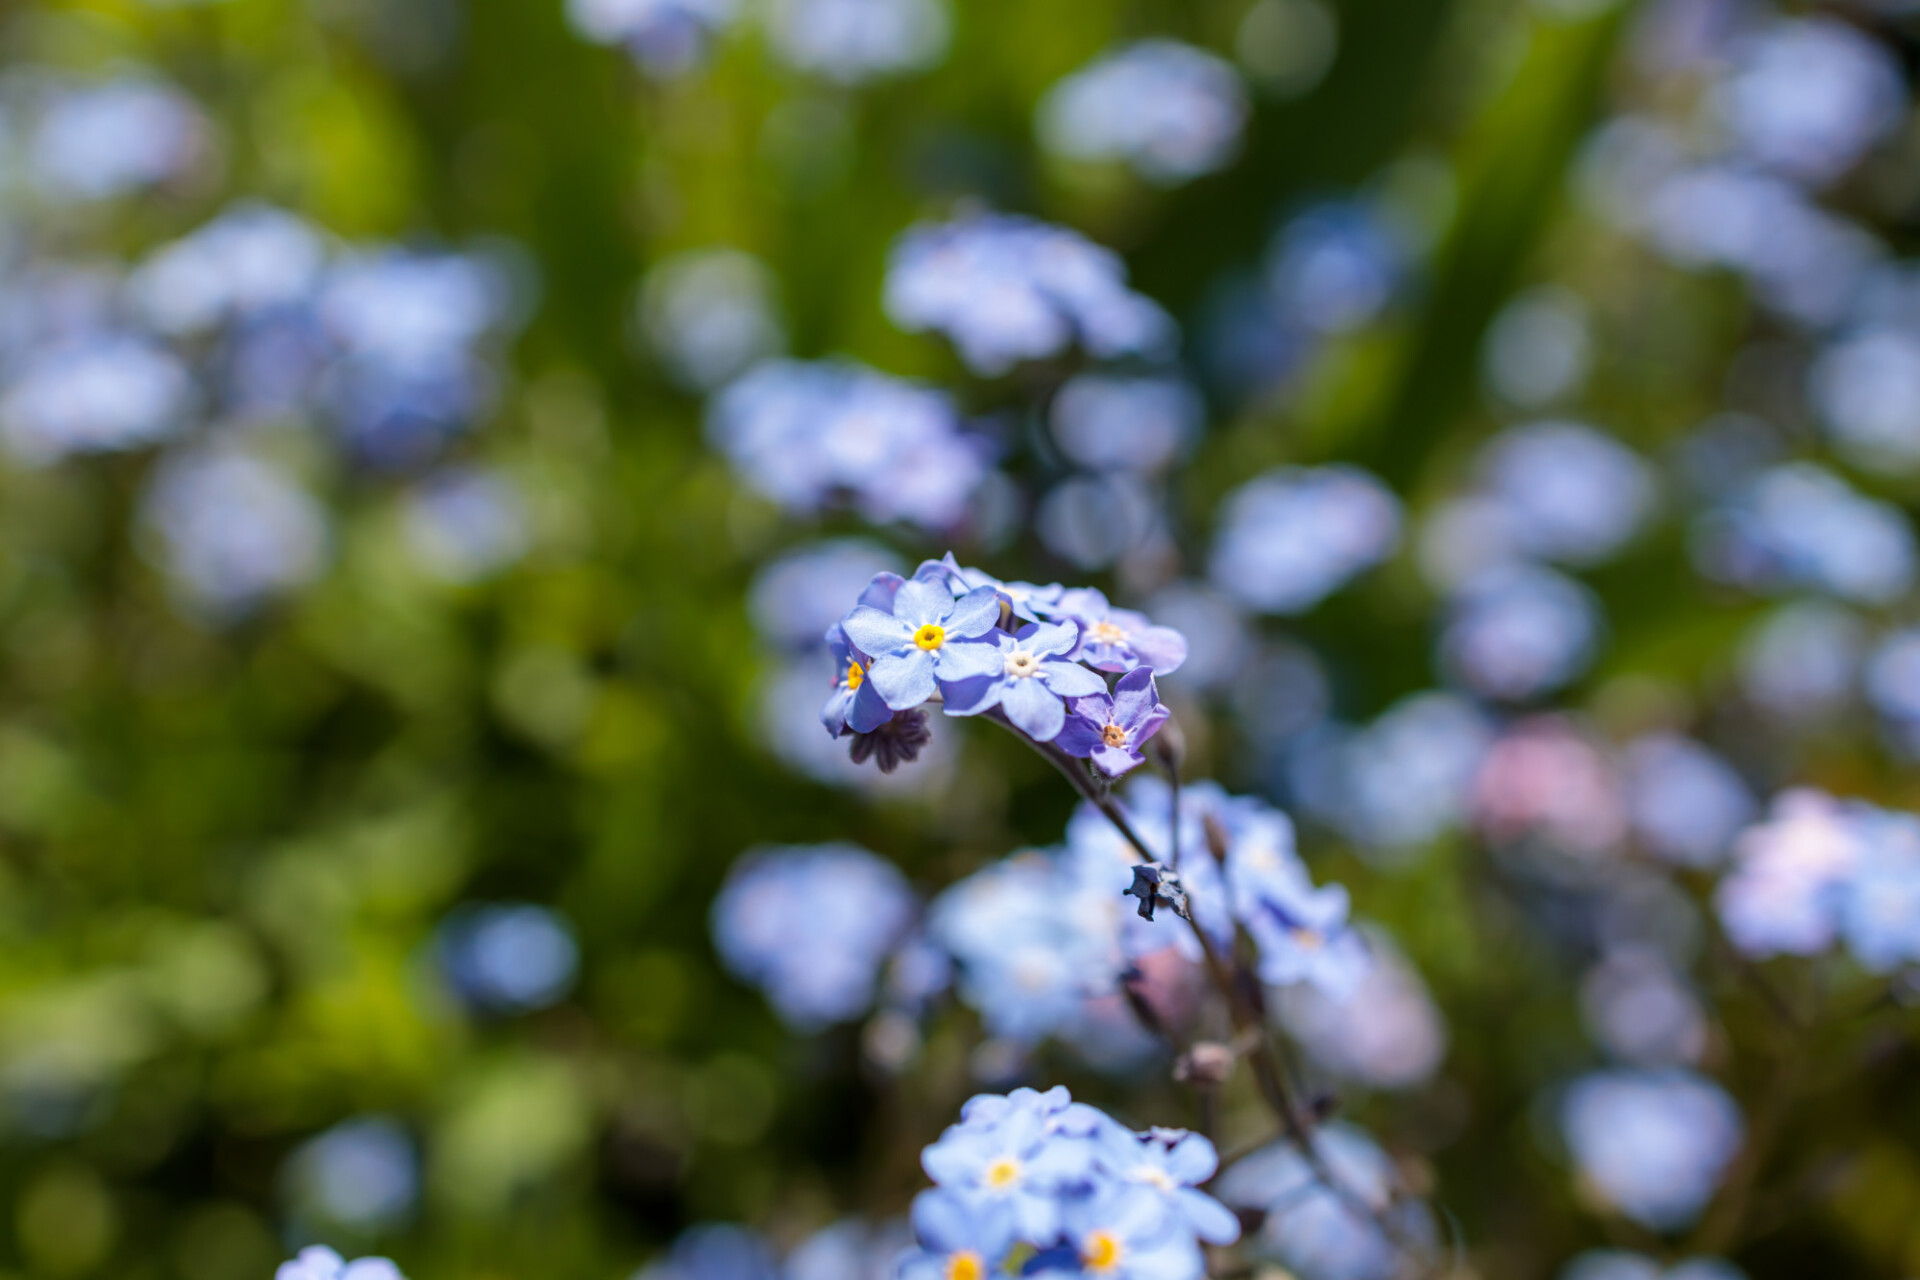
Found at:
(927, 636)
(1022, 1151)
(1653, 1144)
(1171, 1163)
(1169, 111)
(1028, 676)
(1293, 536)
(961, 1237)
(317, 1262)
(1130, 1233)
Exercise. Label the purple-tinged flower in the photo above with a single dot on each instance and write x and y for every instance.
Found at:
(1171, 1163)
(1110, 728)
(1123, 1233)
(961, 1237)
(920, 638)
(855, 703)
(1027, 677)
(714, 1251)
(1119, 639)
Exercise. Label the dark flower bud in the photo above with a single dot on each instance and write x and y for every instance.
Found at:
(896, 742)
(1156, 886)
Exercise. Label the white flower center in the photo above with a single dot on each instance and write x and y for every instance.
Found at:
(1106, 633)
(1021, 664)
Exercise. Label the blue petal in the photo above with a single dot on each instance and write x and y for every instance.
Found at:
(875, 632)
(834, 714)
(1050, 638)
(1033, 710)
(868, 710)
(904, 679)
(968, 660)
(976, 613)
(971, 697)
(1210, 1220)
(919, 602)
(1070, 679)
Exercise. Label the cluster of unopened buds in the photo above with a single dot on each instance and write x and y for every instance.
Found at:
(1036, 658)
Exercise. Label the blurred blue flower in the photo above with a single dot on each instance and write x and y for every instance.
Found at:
(1618, 1264)
(1565, 491)
(94, 141)
(1021, 1151)
(1515, 632)
(851, 1249)
(508, 957)
(1651, 1144)
(1335, 267)
(810, 926)
(250, 260)
(1007, 288)
(714, 1251)
(960, 1237)
(1312, 1229)
(1386, 1034)
(463, 523)
(1865, 387)
(799, 594)
(709, 315)
(317, 1262)
(1128, 1233)
(362, 1174)
(1799, 525)
(1301, 931)
(1106, 422)
(103, 393)
(1641, 1011)
(1110, 729)
(1291, 537)
(1169, 111)
(1785, 886)
(812, 435)
(664, 37)
(1396, 784)
(1685, 802)
(855, 41)
(1801, 661)
(1808, 97)
(233, 529)
(1880, 914)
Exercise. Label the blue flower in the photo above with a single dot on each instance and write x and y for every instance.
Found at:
(1312, 1229)
(317, 1262)
(961, 1237)
(1027, 677)
(1109, 728)
(1021, 1150)
(811, 927)
(1301, 931)
(1654, 1144)
(920, 638)
(1171, 1163)
(854, 703)
(1127, 1233)
(715, 1251)
(1118, 639)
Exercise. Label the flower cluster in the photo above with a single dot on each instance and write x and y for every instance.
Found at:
(1818, 871)
(809, 435)
(1007, 289)
(1031, 1182)
(1168, 110)
(1036, 658)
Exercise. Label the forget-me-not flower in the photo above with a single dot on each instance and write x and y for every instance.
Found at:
(1171, 1163)
(923, 637)
(1028, 678)
(1126, 1233)
(1119, 639)
(317, 1262)
(960, 1237)
(1109, 729)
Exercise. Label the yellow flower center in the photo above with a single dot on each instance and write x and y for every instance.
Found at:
(1106, 633)
(1003, 1173)
(965, 1265)
(855, 674)
(930, 637)
(1020, 664)
(1100, 1251)
(1308, 939)
(1114, 736)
